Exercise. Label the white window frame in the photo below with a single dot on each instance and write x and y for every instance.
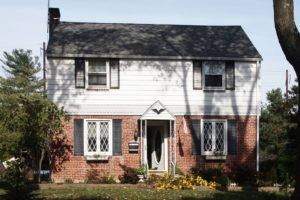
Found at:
(107, 86)
(207, 64)
(85, 140)
(213, 121)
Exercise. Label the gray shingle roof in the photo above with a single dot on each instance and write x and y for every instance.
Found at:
(149, 40)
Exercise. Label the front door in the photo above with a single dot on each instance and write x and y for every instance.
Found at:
(156, 148)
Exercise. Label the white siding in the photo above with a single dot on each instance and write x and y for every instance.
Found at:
(144, 82)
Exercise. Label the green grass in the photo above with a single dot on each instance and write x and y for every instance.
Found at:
(135, 193)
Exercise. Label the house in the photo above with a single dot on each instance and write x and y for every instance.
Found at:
(156, 96)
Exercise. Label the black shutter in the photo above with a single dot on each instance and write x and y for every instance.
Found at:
(196, 137)
(79, 73)
(78, 137)
(117, 137)
(231, 137)
(230, 79)
(114, 73)
(197, 79)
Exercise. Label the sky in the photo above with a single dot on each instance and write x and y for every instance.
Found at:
(24, 24)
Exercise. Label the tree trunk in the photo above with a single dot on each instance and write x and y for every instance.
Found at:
(289, 39)
(40, 165)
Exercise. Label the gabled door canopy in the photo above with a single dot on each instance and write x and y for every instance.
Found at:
(157, 111)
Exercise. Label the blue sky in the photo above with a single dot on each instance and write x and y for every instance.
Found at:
(24, 23)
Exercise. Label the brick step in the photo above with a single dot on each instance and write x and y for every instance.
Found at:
(157, 172)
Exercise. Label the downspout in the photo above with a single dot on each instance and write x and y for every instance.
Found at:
(258, 64)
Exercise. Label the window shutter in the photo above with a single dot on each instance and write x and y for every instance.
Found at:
(78, 137)
(196, 137)
(232, 137)
(197, 67)
(117, 137)
(230, 79)
(79, 73)
(114, 73)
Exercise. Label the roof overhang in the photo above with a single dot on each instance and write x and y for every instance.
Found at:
(49, 55)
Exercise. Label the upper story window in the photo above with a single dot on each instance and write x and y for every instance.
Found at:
(97, 73)
(97, 137)
(214, 137)
(213, 75)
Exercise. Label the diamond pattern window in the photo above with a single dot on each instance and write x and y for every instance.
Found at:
(214, 137)
(98, 137)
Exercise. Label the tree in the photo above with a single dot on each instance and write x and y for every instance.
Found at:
(289, 39)
(278, 143)
(29, 123)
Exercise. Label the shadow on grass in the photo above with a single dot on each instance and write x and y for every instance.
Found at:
(26, 193)
(254, 195)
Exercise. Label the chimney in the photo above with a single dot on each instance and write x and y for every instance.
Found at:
(53, 18)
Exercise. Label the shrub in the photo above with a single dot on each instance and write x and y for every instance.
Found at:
(12, 178)
(168, 182)
(130, 175)
(243, 176)
(178, 171)
(92, 176)
(69, 181)
(107, 179)
(208, 174)
(140, 171)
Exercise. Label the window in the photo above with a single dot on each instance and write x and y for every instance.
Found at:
(98, 71)
(214, 75)
(97, 137)
(214, 137)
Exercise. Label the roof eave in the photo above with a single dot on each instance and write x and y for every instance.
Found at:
(49, 55)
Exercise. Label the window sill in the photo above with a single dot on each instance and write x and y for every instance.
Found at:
(212, 157)
(214, 89)
(97, 89)
(96, 157)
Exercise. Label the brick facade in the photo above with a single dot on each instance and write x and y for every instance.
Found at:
(77, 168)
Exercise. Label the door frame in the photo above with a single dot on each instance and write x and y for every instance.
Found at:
(164, 124)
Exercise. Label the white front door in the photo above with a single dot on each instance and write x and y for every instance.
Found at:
(156, 148)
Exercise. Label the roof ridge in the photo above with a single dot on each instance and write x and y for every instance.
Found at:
(121, 23)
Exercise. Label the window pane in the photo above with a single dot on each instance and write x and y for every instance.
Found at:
(213, 81)
(92, 137)
(213, 67)
(97, 79)
(207, 129)
(104, 136)
(219, 136)
(97, 66)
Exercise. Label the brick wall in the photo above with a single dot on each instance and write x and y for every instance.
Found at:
(246, 145)
(77, 168)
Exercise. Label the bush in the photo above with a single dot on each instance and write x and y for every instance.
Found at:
(12, 178)
(208, 174)
(69, 181)
(178, 171)
(212, 174)
(93, 176)
(130, 175)
(168, 182)
(244, 176)
(107, 179)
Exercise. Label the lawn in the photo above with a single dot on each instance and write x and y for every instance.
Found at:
(116, 192)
